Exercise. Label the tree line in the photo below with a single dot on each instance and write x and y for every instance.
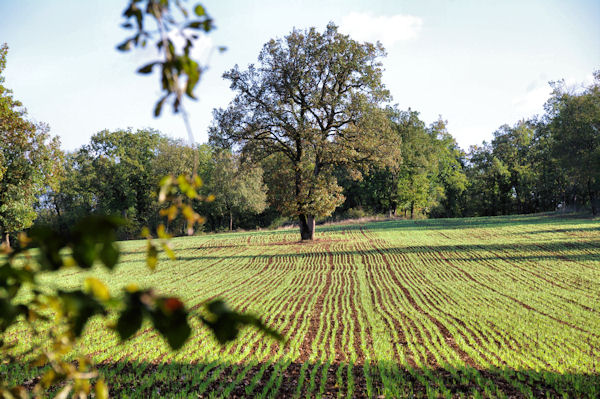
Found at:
(546, 163)
(310, 135)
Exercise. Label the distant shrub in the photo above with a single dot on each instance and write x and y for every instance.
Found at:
(278, 222)
(356, 213)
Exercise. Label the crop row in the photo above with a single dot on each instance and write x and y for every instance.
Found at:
(427, 308)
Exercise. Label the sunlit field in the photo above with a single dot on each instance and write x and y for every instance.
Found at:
(483, 307)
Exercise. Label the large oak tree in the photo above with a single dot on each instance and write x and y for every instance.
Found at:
(314, 101)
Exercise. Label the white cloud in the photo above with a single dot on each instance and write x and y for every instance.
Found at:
(532, 101)
(537, 93)
(387, 29)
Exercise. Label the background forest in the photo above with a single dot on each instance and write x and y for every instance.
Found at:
(547, 163)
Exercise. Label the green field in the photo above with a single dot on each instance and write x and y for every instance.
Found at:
(491, 307)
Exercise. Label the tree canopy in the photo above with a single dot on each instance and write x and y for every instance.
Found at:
(314, 102)
(235, 188)
(575, 120)
(29, 161)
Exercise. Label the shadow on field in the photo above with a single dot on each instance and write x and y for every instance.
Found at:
(330, 380)
(573, 230)
(476, 222)
(576, 251)
(411, 225)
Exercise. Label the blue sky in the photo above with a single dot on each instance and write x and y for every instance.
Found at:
(478, 64)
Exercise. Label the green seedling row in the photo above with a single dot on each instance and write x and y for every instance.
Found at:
(483, 307)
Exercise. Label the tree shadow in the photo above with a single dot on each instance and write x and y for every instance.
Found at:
(460, 223)
(576, 251)
(580, 229)
(292, 379)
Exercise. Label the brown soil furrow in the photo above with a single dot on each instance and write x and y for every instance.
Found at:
(554, 282)
(564, 257)
(360, 356)
(378, 305)
(523, 304)
(314, 324)
(441, 327)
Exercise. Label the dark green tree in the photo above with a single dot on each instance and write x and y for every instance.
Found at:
(450, 181)
(512, 145)
(487, 176)
(549, 181)
(236, 187)
(575, 125)
(29, 161)
(124, 180)
(418, 166)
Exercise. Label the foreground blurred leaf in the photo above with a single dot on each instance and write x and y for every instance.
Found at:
(97, 287)
(151, 256)
(132, 316)
(8, 313)
(101, 389)
(109, 254)
(226, 323)
(49, 243)
(79, 307)
(170, 319)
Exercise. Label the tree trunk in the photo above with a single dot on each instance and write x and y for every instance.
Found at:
(392, 210)
(412, 210)
(307, 227)
(230, 221)
(6, 240)
(592, 198)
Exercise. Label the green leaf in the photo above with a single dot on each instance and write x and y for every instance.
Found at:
(79, 307)
(169, 251)
(199, 10)
(151, 256)
(125, 46)
(109, 254)
(226, 323)
(50, 243)
(93, 237)
(98, 228)
(84, 252)
(97, 287)
(139, 19)
(170, 319)
(12, 279)
(193, 78)
(101, 389)
(195, 25)
(130, 321)
(158, 106)
(8, 313)
(147, 68)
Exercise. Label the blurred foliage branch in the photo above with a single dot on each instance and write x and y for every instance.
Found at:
(57, 317)
(179, 71)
